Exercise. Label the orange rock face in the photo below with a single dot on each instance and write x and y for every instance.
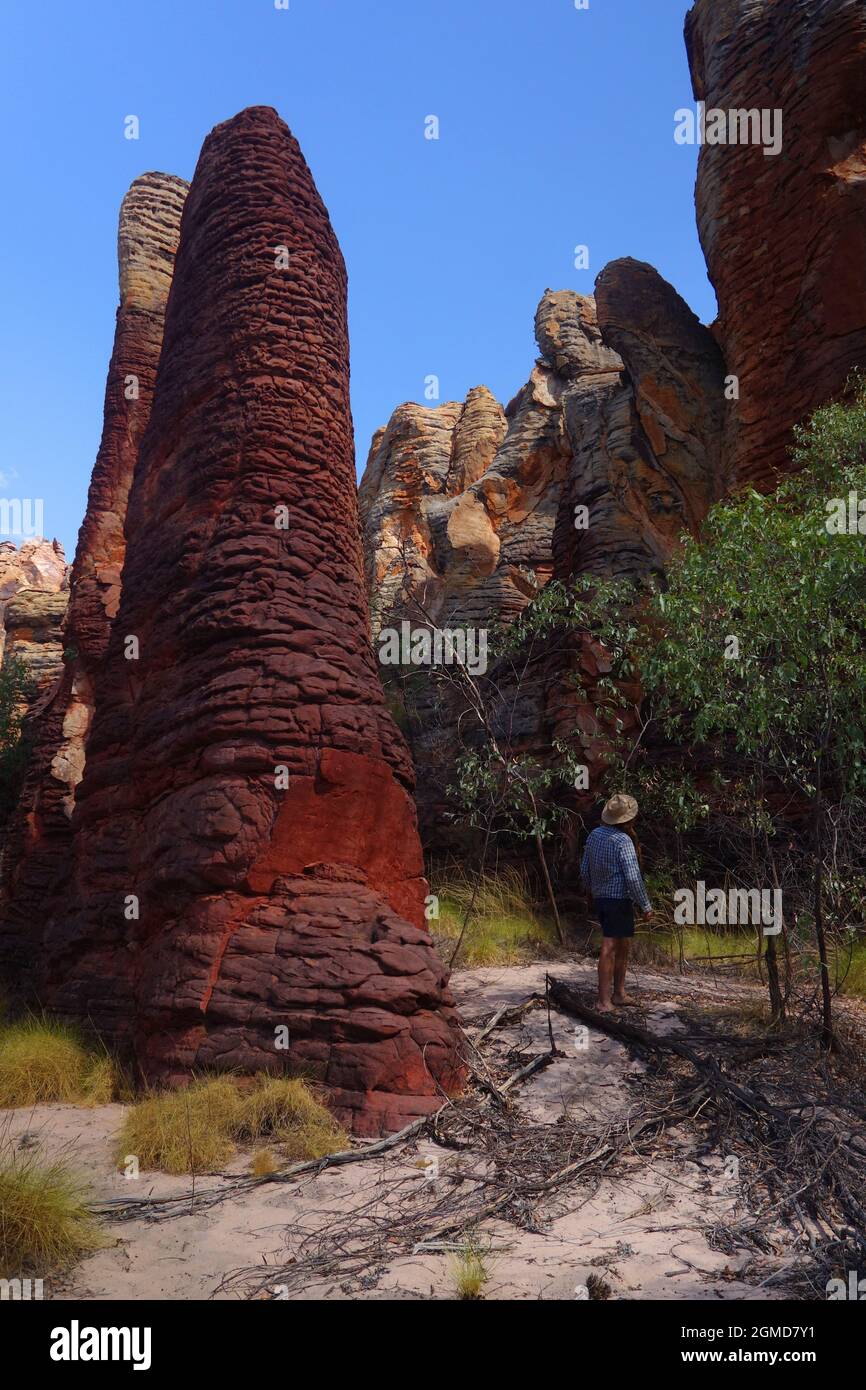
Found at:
(458, 506)
(37, 565)
(646, 466)
(34, 593)
(246, 863)
(645, 441)
(784, 235)
(424, 527)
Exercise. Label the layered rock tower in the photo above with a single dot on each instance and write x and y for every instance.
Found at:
(37, 565)
(38, 845)
(247, 868)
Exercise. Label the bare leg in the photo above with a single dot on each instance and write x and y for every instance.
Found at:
(619, 970)
(605, 975)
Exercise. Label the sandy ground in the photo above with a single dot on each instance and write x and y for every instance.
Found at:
(643, 1229)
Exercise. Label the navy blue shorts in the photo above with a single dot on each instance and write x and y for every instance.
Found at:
(616, 916)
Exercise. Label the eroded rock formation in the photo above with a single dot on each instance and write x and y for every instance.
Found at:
(645, 443)
(785, 234)
(38, 565)
(246, 853)
(34, 637)
(38, 841)
(621, 423)
(472, 542)
(646, 466)
(423, 460)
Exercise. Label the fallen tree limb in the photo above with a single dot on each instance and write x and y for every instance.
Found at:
(808, 1144)
(161, 1208)
(537, 1064)
(123, 1208)
(509, 1013)
(567, 998)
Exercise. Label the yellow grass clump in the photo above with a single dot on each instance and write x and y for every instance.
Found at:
(469, 1271)
(44, 1221)
(188, 1131)
(286, 1110)
(263, 1163)
(41, 1061)
(198, 1129)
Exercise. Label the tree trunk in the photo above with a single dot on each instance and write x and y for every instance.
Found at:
(777, 1003)
(539, 844)
(771, 956)
(827, 1039)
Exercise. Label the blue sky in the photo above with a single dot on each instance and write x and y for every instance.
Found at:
(556, 129)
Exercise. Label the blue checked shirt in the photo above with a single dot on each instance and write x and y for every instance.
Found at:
(609, 867)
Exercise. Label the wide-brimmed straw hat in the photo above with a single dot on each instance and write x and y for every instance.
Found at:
(619, 809)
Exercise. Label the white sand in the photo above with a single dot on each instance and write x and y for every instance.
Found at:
(644, 1229)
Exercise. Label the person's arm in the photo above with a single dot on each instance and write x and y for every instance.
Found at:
(633, 877)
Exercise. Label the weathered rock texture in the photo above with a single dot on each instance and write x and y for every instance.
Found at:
(34, 637)
(38, 565)
(467, 546)
(785, 235)
(458, 503)
(626, 423)
(622, 416)
(646, 442)
(259, 907)
(37, 848)
(646, 466)
(418, 466)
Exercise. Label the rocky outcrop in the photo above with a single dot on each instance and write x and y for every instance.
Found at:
(33, 598)
(38, 565)
(246, 860)
(784, 234)
(636, 417)
(646, 465)
(147, 238)
(645, 443)
(34, 637)
(467, 547)
(458, 503)
(37, 848)
(610, 452)
(418, 465)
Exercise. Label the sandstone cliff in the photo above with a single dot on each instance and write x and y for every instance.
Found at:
(784, 235)
(607, 455)
(34, 637)
(636, 417)
(37, 565)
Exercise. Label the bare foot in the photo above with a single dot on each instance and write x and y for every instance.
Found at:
(602, 1007)
(624, 1000)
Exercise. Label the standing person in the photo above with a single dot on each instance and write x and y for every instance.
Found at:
(610, 868)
